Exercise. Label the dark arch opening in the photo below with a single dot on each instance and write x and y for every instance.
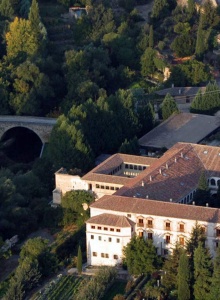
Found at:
(21, 144)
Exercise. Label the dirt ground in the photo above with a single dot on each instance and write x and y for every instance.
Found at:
(144, 10)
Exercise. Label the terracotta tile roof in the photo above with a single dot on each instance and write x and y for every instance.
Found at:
(183, 127)
(155, 208)
(100, 173)
(111, 220)
(175, 174)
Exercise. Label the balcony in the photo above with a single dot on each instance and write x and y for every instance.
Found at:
(168, 228)
(140, 224)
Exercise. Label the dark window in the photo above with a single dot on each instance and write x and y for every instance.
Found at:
(115, 256)
(93, 227)
(92, 237)
(150, 223)
(118, 230)
(109, 239)
(141, 234)
(150, 235)
(100, 238)
(105, 228)
(99, 227)
(129, 215)
(167, 239)
(212, 181)
(118, 240)
(94, 253)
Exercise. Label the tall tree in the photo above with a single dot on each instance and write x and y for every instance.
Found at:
(191, 7)
(202, 195)
(151, 37)
(79, 261)
(170, 268)
(215, 282)
(24, 8)
(202, 273)
(168, 107)
(183, 277)
(201, 43)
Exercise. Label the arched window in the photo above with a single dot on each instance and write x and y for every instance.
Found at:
(212, 181)
(218, 182)
(149, 222)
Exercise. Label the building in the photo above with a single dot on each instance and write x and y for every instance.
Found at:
(105, 179)
(153, 204)
(182, 127)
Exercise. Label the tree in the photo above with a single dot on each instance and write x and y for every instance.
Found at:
(151, 37)
(196, 105)
(191, 7)
(141, 256)
(183, 45)
(79, 261)
(202, 273)
(200, 43)
(24, 8)
(196, 236)
(202, 194)
(75, 205)
(130, 147)
(183, 277)
(215, 281)
(168, 107)
(170, 268)
(160, 9)
(146, 116)
(147, 62)
(20, 39)
(68, 147)
(6, 9)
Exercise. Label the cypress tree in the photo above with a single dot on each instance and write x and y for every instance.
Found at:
(196, 105)
(202, 195)
(215, 285)
(79, 260)
(168, 107)
(191, 7)
(183, 278)
(202, 273)
(200, 43)
(151, 37)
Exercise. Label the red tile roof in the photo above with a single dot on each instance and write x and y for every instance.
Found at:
(175, 174)
(111, 220)
(155, 208)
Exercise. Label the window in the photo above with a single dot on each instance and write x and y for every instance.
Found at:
(118, 230)
(144, 167)
(131, 167)
(99, 227)
(116, 188)
(182, 227)
(212, 181)
(141, 234)
(115, 256)
(149, 223)
(167, 239)
(129, 215)
(100, 238)
(118, 240)
(97, 186)
(93, 227)
(216, 244)
(107, 187)
(111, 229)
(140, 222)
(135, 167)
(150, 236)
(102, 187)
(102, 254)
(109, 239)
(218, 183)
(126, 166)
(106, 255)
(94, 253)
(105, 228)
(92, 237)
(218, 232)
(167, 225)
(165, 251)
(112, 188)
(181, 241)
(140, 168)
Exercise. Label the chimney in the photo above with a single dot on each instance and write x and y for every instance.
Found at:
(181, 154)
(150, 178)
(147, 197)
(193, 203)
(207, 205)
(167, 166)
(172, 85)
(160, 171)
(142, 183)
(175, 159)
(179, 91)
(171, 199)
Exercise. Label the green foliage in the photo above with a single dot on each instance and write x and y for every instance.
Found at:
(183, 45)
(183, 277)
(75, 206)
(168, 107)
(146, 117)
(202, 273)
(79, 260)
(94, 289)
(141, 256)
(6, 9)
(215, 281)
(147, 62)
(151, 37)
(130, 147)
(202, 195)
(160, 9)
(24, 8)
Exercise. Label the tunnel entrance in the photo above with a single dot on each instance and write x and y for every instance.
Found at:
(21, 144)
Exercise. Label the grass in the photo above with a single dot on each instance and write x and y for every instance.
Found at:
(118, 287)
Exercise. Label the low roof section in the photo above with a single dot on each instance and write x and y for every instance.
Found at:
(182, 127)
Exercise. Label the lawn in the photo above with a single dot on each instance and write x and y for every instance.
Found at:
(118, 287)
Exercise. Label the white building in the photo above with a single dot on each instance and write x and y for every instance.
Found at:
(152, 204)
